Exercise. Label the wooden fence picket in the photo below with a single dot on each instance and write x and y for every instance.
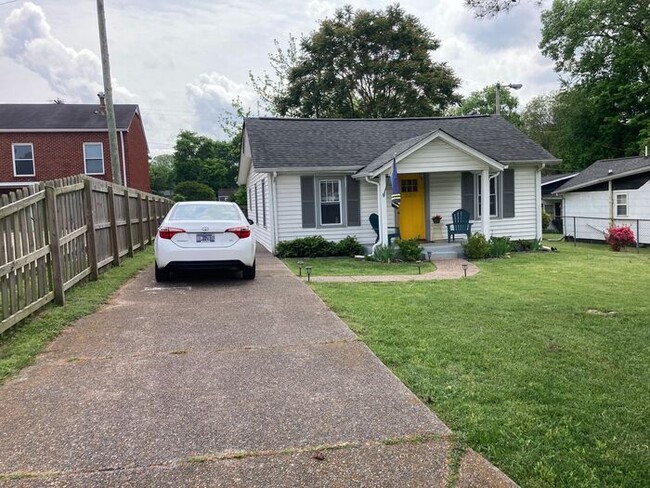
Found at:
(54, 234)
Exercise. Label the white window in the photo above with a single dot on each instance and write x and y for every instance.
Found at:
(494, 195)
(330, 202)
(621, 205)
(94, 158)
(23, 159)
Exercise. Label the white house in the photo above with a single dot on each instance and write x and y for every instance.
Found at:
(609, 192)
(326, 177)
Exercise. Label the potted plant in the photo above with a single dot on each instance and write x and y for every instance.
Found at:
(436, 218)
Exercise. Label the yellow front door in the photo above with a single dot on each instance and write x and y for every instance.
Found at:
(411, 209)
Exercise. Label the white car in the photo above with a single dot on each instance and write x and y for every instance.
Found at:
(204, 235)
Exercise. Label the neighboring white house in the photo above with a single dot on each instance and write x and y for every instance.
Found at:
(326, 177)
(609, 192)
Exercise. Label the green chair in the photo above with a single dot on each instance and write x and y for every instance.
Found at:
(374, 222)
(460, 224)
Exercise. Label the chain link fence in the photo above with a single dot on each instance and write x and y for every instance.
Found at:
(594, 229)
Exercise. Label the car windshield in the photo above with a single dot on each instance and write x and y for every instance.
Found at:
(205, 212)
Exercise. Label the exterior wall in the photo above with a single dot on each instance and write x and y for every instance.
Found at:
(438, 156)
(137, 156)
(290, 213)
(263, 233)
(445, 197)
(595, 204)
(60, 154)
(527, 207)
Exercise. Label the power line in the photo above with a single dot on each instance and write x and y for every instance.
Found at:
(10, 1)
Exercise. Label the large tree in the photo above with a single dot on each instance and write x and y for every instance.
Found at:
(484, 102)
(602, 48)
(199, 158)
(365, 63)
(161, 173)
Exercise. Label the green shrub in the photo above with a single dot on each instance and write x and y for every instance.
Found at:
(522, 245)
(477, 247)
(409, 249)
(499, 246)
(384, 254)
(305, 247)
(193, 191)
(546, 220)
(349, 246)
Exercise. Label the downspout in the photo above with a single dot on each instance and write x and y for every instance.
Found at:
(274, 201)
(538, 201)
(378, 243)
(610, 199)
(123, 159)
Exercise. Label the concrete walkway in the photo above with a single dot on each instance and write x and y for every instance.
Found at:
(221, 382)
(446, 269)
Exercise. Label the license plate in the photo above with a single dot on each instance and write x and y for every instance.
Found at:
(204, 237)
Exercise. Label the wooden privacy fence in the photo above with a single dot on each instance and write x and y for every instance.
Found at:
(56, 234)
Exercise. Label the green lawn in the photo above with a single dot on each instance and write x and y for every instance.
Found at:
(20, 344)
(355, 267)
(523, 360)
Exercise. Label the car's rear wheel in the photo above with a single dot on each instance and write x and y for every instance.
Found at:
(249, 272)
(162, 274)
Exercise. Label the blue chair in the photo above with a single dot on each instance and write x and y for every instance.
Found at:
(374, 222)
(460, 224)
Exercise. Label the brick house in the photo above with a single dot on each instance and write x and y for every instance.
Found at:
(46, 141)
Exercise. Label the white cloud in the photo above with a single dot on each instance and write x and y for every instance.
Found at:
(211, 97)
(319, 9)
(76, 75)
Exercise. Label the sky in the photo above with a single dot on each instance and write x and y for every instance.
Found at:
(184, 61)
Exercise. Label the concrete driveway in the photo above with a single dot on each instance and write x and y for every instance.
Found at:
(221, 382)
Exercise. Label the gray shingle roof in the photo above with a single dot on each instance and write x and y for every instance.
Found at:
(599, 171)
(546, 179)
(321, 143)
(52, 117)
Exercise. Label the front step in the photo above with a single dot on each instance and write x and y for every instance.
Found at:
(443, 250)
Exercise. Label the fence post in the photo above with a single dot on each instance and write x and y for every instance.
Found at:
(575, 236)
(141, 218)
(150, 237)
(55, 246)
(127, 213)
(113, 222)
(90, 233)
(638, 237)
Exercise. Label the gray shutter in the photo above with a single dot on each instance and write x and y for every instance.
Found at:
(308, 199)
(467, 193)
(508, 193)
(353, 198)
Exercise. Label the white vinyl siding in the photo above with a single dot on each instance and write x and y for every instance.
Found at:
(438, 156)
(524, 224)
(263, 233)
(595, 204)
(290, 213)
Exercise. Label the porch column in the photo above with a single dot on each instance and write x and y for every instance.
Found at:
(382, 211)
(485, 202)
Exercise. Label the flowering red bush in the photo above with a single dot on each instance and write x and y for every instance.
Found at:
(619, 237)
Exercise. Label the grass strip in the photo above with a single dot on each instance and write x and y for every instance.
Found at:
(542, 361)
(20, 344)
(355, 267)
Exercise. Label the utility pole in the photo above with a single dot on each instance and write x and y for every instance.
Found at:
(108, 92)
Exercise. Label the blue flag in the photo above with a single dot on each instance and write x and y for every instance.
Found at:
(394, 184)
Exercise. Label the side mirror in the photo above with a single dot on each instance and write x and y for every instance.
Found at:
(250, 221)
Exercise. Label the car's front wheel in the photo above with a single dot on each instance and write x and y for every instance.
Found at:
(249, 272)
(162, 274)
